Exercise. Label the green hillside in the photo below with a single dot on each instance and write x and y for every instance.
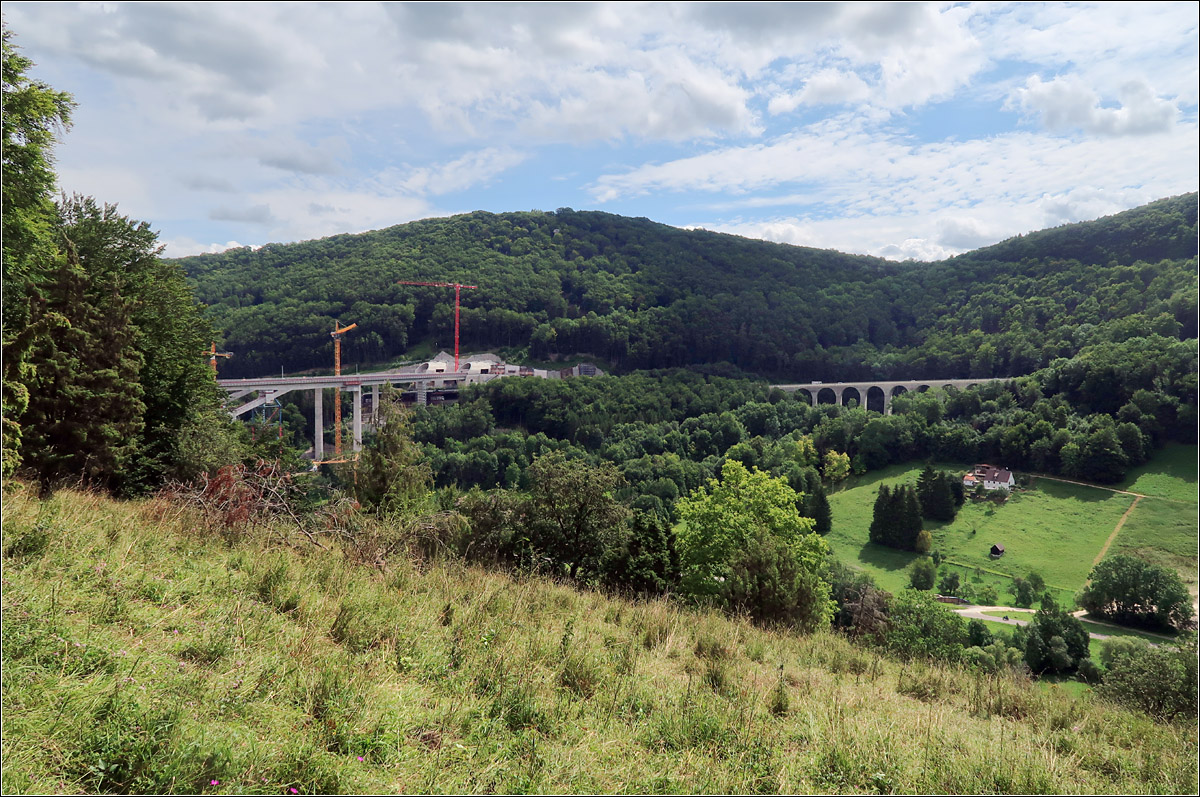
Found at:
(639, 294)
(145, 654)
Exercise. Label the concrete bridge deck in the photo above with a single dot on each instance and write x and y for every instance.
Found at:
(271, 388)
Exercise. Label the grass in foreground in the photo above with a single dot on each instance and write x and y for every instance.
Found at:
(142, 653)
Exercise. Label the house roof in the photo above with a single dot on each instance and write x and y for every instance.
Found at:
(990, 473)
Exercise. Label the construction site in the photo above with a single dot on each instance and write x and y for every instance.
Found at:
(435, 381)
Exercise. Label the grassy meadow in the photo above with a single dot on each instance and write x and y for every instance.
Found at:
(143, 653)
(1170, 474)
(1162, 528)
(1055, 528)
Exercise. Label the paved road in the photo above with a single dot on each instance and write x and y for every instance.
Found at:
(977, 613)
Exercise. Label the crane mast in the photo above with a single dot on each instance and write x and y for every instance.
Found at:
(457, 286)
(337, 335)
(214, 354)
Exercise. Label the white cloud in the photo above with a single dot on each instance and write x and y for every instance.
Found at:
(1065, 103)
(253, 214)
(470, 170)
(826, 87)
(311, 119)
(184, 246)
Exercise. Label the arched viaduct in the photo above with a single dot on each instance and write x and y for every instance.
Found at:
(888, 389)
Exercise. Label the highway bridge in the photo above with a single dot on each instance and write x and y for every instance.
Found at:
(437, 374)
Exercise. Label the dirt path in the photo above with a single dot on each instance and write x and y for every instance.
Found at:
(1117, 530)
(1109, 489)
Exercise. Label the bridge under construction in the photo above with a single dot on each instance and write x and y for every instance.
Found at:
(425, 379)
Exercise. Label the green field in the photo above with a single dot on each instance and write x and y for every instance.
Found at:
(1171, 474)
(1053, 528)
(1163, 533)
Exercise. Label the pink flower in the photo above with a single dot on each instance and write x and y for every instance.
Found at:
(360, 758)
(293, 790)
(214, 783)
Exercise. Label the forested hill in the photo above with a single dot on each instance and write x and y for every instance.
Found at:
(638, 294)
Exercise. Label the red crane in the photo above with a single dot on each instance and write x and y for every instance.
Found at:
(337, 335)
(457, 291)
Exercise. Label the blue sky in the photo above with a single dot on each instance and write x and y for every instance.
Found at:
(902, 130)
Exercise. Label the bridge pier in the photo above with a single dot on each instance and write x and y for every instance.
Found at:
(357, 391)
(318, 425)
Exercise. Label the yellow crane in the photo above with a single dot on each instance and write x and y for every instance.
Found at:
(337, 335)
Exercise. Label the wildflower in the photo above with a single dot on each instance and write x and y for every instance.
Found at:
(360, 758)
(293, 790)
(214, 783)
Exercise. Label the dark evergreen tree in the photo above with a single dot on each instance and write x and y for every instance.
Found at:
(33, 112)
(880, 531)
(909, 519)
(85, 413)
(648, 564)
(935, 490)
(816, 506)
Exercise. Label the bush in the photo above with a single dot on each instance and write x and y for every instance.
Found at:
(1160, 681)
(770, 584)
(922, 627)
(1054, 641)
(922, 573)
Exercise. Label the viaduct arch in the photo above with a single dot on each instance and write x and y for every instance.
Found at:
(869, 392)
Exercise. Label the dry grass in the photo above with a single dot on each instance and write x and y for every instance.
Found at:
(144, 654)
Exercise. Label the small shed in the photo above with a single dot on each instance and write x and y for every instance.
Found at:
(997, 551)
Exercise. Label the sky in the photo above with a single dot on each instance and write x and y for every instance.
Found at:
(906, 130)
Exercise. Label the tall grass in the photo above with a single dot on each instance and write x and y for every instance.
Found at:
(143, 655)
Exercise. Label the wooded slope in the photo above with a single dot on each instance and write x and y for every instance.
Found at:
(644, 295)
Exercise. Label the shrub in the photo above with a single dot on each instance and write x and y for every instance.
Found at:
(770, 584)
(1160, 681)
(922, 627)
(922, 573)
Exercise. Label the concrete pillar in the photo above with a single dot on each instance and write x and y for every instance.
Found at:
(837, 396)
(374, 402)
(422, 393)
(318, 425)
(357, 392)
(887, 402)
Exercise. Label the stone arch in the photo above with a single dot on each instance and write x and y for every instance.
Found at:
(851, 393)
(922, 388)
(876, 398)
(804, 394)
(826, 395)
(899, 390)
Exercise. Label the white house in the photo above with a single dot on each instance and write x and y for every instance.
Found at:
(991, 477)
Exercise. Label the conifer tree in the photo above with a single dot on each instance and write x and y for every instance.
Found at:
(85, 410)
(880, 530)
(33, 112)
(816, 506)
(909, 520)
